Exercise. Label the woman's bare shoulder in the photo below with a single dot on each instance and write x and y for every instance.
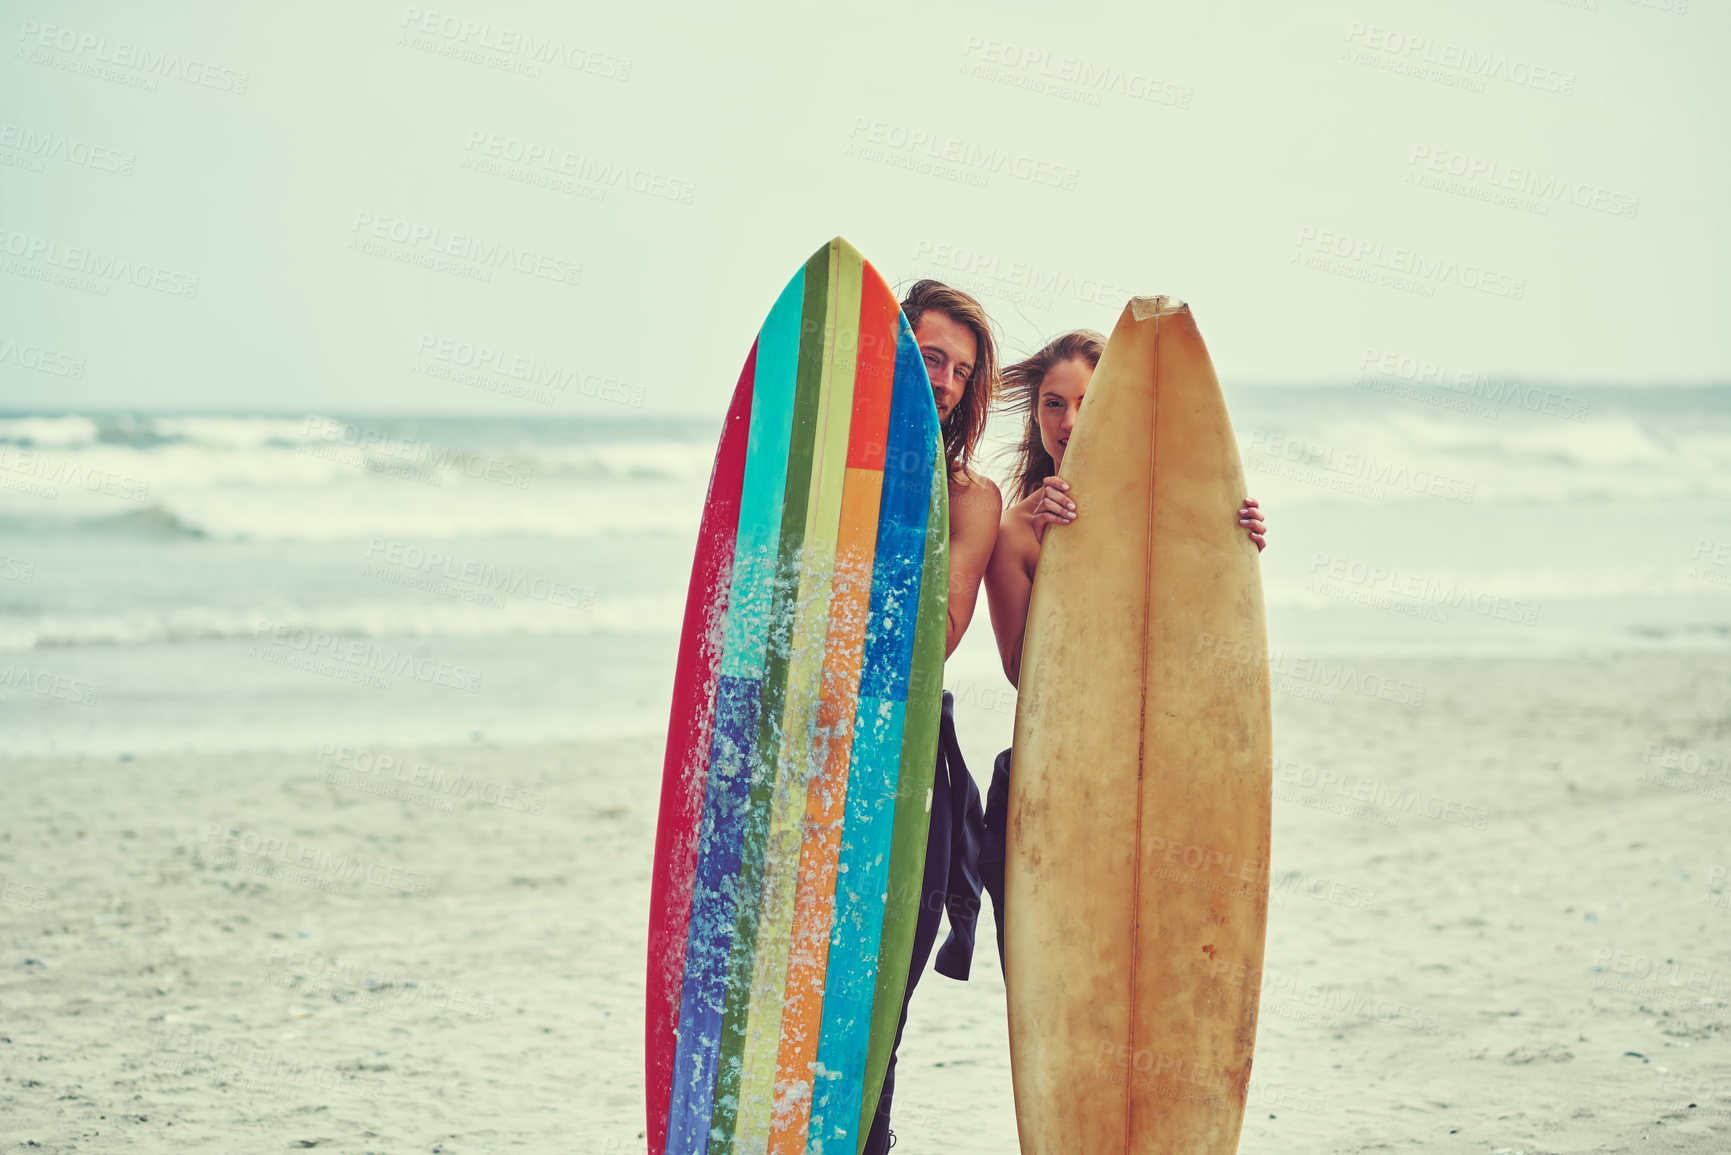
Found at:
(1022, 508)
(1016, 527)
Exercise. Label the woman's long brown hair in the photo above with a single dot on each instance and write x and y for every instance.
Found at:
(966, 423)
(1021, 391)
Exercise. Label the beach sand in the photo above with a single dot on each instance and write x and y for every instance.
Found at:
(1501, 923)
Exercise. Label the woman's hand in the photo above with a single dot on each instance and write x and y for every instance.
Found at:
(1057, 508)
(1054, 508)
(1251, 519)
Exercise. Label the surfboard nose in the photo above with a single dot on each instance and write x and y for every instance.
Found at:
(839, 244)
(1145, 307)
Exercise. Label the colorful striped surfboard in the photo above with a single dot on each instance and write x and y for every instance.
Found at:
(797, 785)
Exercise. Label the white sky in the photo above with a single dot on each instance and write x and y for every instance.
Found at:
(1286, 136)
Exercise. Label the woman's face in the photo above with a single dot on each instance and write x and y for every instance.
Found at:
(949, 350)
(1059, 398)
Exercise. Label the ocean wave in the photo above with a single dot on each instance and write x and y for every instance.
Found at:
(316, 478)
(637, 461)
(467, 611)
(337, 514)
(1328, 456)
(156, 520)
(221, 432)
(242, 431)
(1405, 585)
(44, 431)
(197, 453)
(233, 479)
(420, 512)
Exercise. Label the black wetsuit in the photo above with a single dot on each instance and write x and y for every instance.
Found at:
(994, 826)
(951, 883)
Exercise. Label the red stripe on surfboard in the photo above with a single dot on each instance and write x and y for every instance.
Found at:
(874, 373)
(687, 764)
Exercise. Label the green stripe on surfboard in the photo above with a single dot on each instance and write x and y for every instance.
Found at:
(804, 691)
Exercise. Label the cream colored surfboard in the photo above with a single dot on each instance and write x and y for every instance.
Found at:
(1138, 842)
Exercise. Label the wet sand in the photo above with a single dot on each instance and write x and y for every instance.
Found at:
(1501, 923)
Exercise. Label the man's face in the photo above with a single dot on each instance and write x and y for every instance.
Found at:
(949, 349)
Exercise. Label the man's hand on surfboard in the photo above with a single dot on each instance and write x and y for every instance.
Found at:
(1251, 518)
(1055, 507)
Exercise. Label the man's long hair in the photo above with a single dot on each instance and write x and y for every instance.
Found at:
(966, 423)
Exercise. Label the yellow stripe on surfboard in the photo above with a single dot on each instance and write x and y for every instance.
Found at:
(804, 690)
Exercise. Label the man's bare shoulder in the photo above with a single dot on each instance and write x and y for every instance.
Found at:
(973, 479)
(976, 498)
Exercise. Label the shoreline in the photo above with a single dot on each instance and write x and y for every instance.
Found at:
(977, 684)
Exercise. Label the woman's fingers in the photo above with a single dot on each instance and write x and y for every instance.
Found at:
(1049, 513)
(1051, 507)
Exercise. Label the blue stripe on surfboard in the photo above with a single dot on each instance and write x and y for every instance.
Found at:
(902, 530)
(864, 862)
(739, 688)
(712, 914)
(856, 931)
